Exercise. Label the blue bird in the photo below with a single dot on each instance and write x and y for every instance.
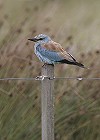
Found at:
(51, 52)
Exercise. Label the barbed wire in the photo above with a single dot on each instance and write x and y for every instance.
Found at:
(51, 78)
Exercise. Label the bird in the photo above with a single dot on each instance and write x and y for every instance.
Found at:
(51, 52)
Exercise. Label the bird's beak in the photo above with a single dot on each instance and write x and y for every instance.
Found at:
(33, 39)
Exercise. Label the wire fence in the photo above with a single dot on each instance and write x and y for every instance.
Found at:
(54, 78)
(26, 96)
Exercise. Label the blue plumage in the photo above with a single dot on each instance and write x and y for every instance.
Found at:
(47, 56)
(51, 52)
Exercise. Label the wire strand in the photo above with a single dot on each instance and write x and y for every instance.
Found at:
(78, 78)
(27, 79)
(54, 78)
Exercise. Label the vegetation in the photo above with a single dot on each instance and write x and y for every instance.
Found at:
(75, 25)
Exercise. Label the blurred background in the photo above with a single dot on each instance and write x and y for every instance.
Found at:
(75, 24)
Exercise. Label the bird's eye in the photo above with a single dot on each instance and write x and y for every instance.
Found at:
(41, 38)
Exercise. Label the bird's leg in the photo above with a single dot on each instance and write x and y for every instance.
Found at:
(44, 64)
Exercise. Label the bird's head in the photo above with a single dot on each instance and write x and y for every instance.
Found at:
(41, 38)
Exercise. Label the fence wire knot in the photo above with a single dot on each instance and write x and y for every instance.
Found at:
(42, 77)
(79, 78)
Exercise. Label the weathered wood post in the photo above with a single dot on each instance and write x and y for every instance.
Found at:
(47, 101)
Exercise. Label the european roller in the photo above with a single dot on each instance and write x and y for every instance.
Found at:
(51, 52)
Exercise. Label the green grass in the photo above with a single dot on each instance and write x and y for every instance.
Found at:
(74, 24)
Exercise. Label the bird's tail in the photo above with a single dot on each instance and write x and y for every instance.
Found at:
(72, 63)
(79, 64)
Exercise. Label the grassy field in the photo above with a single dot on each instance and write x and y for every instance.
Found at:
(74, 24)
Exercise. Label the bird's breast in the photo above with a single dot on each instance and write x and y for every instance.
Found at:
(39, 49)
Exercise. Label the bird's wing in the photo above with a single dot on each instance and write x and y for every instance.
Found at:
(71, 56)
(56, 48)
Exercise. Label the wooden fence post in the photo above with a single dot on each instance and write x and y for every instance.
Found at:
(47, 101)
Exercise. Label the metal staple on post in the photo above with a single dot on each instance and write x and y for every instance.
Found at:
(47, 101)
